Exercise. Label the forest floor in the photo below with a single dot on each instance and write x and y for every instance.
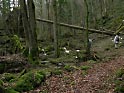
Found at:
(97, 79)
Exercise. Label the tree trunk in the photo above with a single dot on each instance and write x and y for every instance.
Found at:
(107, 32)
(29, 25)
(33, 48)
(72, 15)
(87, 45)
(55, 29)
(25, 25)
(93, 14)
(48, 15)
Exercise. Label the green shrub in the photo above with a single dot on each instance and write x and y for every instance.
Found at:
(17, 43)
(29, 81)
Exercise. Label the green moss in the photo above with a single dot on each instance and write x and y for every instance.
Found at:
(85, 67)
(68, 68)
(119, 89)
(82, 57)
(9, 90)
(92, 61)
(119, 81)
(64, 59)
(119, 73)
(19, 75)
(57, 72)
(1, 83)
(7, 77)
(33, 56)
(49, 48)
(29, 81)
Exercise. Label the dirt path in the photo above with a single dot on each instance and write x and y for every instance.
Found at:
(95, 81)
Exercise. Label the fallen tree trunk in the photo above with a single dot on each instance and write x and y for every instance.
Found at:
(106, 32)
(111, 33)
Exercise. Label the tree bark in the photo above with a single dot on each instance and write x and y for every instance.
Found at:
(55, 29)
(33, 48)
(87, 32)
(48, 15)
(25, 24)
(29, 24)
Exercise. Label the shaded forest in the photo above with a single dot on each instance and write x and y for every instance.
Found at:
(61, 46)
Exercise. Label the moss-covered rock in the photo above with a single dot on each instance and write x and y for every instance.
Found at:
(29, 81)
